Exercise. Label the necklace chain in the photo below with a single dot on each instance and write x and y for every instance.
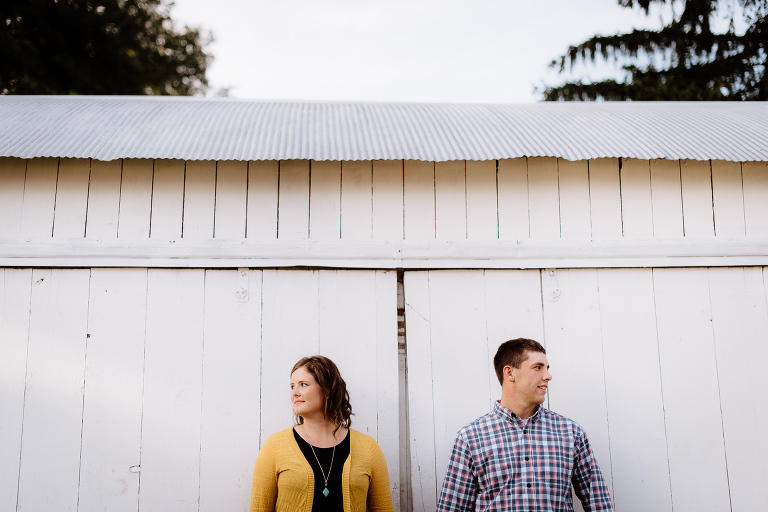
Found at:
(326, 492)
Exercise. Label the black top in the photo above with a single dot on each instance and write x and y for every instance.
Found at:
(334, 502)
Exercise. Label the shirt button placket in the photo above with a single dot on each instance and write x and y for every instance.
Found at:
(528, 470)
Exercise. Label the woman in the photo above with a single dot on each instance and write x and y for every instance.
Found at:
(320, 464)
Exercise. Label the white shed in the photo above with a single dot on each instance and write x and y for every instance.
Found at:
(165, 261)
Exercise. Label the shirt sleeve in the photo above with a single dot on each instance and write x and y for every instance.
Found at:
(379, 494)
(264, 487)
(460, 484)
(587, 479)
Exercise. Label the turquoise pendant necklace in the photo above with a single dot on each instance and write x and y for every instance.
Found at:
(326, 492)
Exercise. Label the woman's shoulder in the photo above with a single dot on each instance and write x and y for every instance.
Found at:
(279, 439)
(367, 450)
(362, 441)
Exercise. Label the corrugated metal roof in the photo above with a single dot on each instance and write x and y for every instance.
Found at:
(108, 128)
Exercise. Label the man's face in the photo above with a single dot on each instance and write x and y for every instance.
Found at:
(532, 378)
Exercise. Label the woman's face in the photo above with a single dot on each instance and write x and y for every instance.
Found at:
(307, 397)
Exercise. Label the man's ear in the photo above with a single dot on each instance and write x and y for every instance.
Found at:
(509, 374)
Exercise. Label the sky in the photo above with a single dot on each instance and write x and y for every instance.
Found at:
(437, 51)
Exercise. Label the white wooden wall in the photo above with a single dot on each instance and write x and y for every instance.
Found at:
(663, 367)
(152, 389)
(518, 213)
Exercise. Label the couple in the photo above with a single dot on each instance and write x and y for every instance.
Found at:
(518, 457)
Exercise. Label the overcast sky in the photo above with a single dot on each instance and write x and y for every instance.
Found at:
(481, 51)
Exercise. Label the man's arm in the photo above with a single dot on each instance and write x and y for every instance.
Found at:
(587, 479)
(460, 484)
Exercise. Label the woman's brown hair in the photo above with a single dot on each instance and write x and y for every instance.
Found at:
(337, 407)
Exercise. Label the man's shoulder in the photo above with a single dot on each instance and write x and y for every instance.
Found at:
(560, 421)
(480, 425)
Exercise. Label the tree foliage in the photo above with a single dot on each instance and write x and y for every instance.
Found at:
(686, 60)
(98, 47)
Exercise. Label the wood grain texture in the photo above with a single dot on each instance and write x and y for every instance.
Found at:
(605, 198)
(667, 199)
(458, 312)
(325, 201)
(167, 199)
(114, 375)
(457, 330)
(173, 369)
(357, 200)
(15, 292)
(419, 200)
(755, 176)
(728, 198)
(513, 310)
(421, 416)
(739, 322)
(387, 199)
(199, 199)
(450, 201)
(231, 407)
(634, 400)
(347, 334)
(39, 198)
(698, 213)
(482, 210)
(231, 199)
(636, 202)
(104, 199)
(387, 378)
(513, 199)
(71, 198)
(348, 316)
(50, 458)
(135, 199)
(261, 222)
(574, 183)
(543, 199)
(293, 202)
(12, 174)
(691, 394)
(289, 332)
(572, 329)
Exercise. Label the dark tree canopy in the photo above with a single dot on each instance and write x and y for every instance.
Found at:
(686, 60)
(98, 47)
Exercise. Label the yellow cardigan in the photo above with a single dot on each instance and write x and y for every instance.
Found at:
(283, 480)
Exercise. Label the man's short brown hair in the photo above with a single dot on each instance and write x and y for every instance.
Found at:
(513, 353)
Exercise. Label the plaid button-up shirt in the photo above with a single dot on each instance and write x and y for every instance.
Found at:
(498, 463)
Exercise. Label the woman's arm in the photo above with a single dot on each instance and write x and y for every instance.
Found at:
(264, 487)
(379, 493)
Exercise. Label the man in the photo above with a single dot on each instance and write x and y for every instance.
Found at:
(521, 456)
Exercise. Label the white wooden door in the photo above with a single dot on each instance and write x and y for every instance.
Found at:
(137, 389)
(661, 367)
(454, 320)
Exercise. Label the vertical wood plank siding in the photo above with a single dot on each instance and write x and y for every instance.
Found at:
(520, 199)
(135, 201)
(104, 199)
(156, 387)
(14, 343)
(164, 383)
(49, 463)
(661, 366)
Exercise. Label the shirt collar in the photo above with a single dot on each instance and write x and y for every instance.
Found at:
(511, 416)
